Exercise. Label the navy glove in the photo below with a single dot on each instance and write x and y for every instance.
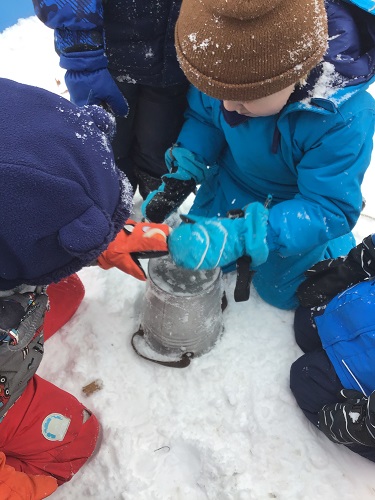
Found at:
(206, 243)
(186, 171)
(87, 77)
(351, 421)
(332, 276)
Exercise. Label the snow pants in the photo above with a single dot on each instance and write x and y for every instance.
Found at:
(313, 379)
(152, 126)
(47, 430)
(278, 278)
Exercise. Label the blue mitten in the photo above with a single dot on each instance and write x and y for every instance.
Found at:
(87, 77)
(207, 243)
(187, 170)
(96, 87)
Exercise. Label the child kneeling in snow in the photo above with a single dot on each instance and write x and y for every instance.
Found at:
(280, 107)
(63, 206)
(334, 381)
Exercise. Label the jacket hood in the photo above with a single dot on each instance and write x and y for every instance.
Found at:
(349, 63)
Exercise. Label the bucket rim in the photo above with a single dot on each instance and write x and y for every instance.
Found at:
(216, 275)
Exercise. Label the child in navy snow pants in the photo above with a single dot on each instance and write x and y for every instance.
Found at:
(313, 378)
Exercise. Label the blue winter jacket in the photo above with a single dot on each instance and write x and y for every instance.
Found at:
(347, 332)
(138, 35)
(311, 157)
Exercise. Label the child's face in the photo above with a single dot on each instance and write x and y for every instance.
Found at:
(266, 106)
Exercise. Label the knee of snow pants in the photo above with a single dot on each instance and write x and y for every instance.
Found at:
(64, 300)
(314, 383)
(48, 431)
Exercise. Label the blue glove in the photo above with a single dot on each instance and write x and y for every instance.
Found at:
(187, 170)
(87, 77)
(92, 84)
(216, 242)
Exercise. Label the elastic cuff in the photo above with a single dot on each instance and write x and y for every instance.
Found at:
(91, 60)
(69, 40)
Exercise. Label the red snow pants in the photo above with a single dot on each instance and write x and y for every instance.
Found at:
(48, 431)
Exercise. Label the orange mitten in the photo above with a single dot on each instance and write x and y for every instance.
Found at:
(137, 240)
(20, 486)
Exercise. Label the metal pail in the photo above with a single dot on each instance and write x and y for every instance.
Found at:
(182, 308)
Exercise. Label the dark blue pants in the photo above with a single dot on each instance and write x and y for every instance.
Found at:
(313, 379)
(152, 126)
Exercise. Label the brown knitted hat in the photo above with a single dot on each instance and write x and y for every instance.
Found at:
(241, 50)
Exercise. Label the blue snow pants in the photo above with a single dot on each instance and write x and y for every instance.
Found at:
(313, 380)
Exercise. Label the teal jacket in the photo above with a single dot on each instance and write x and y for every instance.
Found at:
(311, 157)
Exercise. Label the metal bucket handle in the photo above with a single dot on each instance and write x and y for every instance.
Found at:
(185, 359)
(183, 362)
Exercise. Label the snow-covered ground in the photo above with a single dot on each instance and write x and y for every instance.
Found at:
(225, 428)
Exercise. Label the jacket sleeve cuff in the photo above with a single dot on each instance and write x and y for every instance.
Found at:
(68, 40)
(90, 60)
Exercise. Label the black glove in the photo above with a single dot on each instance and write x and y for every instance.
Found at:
(351, 421)
(332, 276)
(164, 201)
(186, 171)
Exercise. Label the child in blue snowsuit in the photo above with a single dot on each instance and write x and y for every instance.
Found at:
(334, 381)
(119, 53)
(276, 110)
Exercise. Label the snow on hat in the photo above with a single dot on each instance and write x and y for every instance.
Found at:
(62, 199)
(248, 49)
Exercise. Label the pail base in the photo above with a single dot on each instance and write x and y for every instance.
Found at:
(165, 349)
(145, 351)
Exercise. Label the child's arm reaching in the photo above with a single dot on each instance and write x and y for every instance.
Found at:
(191, 161)
(135, 241)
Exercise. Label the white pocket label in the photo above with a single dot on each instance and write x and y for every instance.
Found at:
(54, 427)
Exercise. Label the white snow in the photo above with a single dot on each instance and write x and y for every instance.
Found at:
(225, 428)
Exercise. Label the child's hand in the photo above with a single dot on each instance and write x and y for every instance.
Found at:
(206, 243)
(16, 485)
(350, 422)
(165, 200)
(186, 171)
(136, 240)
